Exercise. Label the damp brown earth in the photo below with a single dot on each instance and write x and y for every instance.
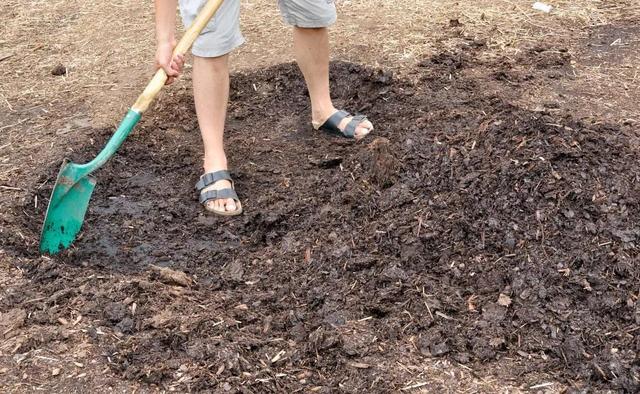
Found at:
(466, 229)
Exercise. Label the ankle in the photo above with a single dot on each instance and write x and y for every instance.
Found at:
(215, 164)
(321, 113)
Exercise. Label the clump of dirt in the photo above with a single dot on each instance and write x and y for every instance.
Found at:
(467, 228)
(59, 70)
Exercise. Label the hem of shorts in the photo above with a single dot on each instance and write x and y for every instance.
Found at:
(217, 52)
(306, 24)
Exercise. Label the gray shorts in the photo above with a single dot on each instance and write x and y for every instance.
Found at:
(222, 34)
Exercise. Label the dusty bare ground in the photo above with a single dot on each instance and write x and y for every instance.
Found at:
(105, 62)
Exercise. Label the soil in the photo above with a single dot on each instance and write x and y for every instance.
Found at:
(467, 228)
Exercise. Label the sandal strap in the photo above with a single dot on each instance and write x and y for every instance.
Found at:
(211, 178)
(332, 124)
(350, 129)
(218, 195)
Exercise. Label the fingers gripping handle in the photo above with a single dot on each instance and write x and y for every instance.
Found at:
(159, 79)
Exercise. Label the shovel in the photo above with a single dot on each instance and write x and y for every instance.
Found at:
(72, 191)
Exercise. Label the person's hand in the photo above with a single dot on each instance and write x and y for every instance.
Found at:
(172, 65)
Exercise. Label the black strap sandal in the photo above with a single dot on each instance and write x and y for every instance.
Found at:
(212, 195)
(332, 124)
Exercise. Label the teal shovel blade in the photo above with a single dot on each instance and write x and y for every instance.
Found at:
(72, 192)
(66, 210)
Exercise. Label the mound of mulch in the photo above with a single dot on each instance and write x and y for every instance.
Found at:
(465, 228)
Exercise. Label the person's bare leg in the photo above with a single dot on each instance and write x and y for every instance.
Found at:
(211, 95)
(312, 54)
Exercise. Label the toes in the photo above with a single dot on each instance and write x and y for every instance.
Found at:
(364, 129)
(220, 205)
(368, 125)
(361, 131)
(230, 205)
(216, 205)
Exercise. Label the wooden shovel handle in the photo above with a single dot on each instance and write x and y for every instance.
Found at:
(160, 78)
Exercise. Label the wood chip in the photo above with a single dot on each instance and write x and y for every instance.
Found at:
(504, 300)
(442, 315)
(169, 276)
(278, 356)
(161, 320)
(471, 306)
(307, 255)
(414, 386)
(541, 385)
